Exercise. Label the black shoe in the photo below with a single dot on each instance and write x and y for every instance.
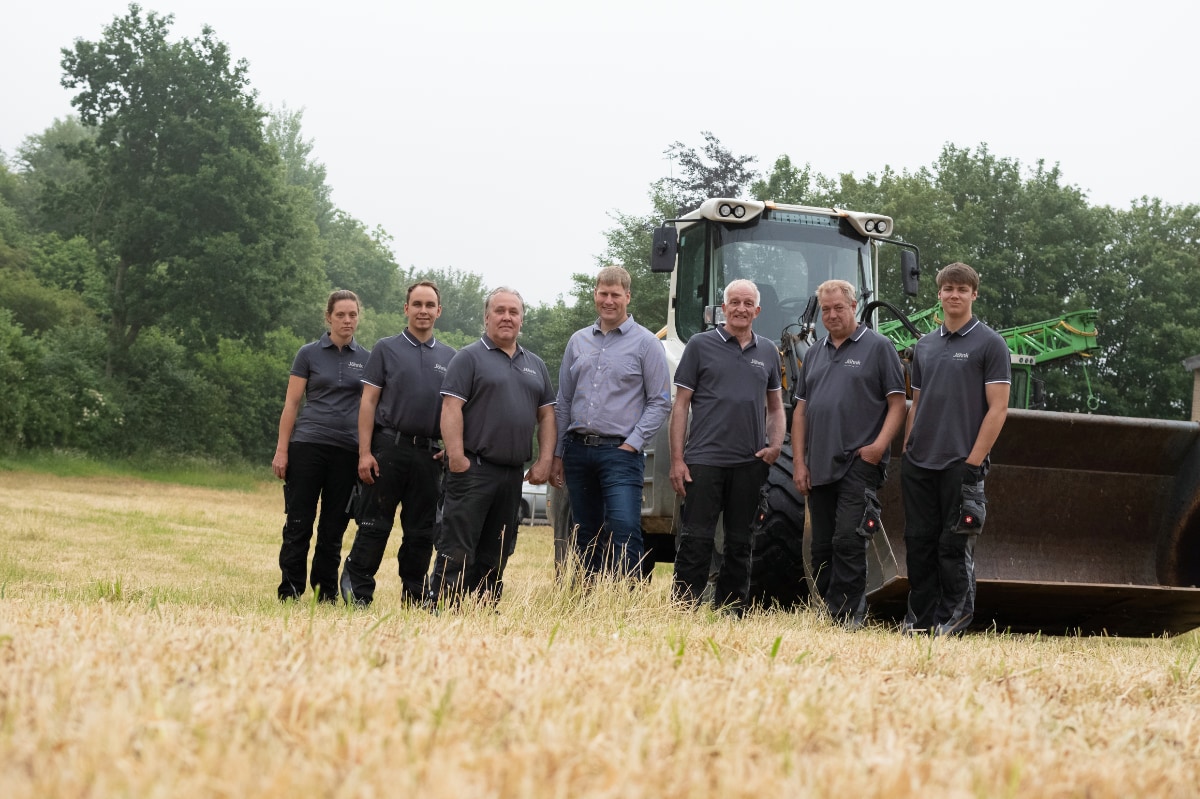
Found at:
(849, 622)
(951, 628)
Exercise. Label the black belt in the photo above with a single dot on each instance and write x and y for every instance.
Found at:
(591, 440)
(420, 442)
(482, 461)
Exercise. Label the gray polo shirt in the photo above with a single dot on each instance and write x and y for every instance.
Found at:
(502, 397)
(409, 375)
(845, 391)
(952, 370)
(330, 412)
(729, 388)
(613, 384)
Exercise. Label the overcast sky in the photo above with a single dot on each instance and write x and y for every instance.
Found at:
(498, 137)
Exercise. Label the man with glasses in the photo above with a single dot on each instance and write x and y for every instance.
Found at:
(849, 407)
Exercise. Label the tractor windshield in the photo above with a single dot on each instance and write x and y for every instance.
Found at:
(786, 258)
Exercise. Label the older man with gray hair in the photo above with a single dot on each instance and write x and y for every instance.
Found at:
(730, 381)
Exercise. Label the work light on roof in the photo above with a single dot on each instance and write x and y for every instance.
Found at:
(870, 226)
(725, 209)
(881, 226)
(739, 211)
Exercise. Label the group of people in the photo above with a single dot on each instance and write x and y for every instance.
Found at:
(441, 434)
(445, 436)
(850, 404)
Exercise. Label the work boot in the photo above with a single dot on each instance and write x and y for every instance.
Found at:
(348, 593)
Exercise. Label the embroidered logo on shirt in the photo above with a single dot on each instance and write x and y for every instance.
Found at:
(759, 364)
(962, 356)
(439, 367)
(529, 371)
(852, 362)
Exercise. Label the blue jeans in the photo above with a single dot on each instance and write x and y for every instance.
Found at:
(605, 483)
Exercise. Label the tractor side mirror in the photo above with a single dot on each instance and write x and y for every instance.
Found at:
(910, 272)
(663, 250)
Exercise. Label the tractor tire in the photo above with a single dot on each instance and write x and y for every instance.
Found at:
(777, 576)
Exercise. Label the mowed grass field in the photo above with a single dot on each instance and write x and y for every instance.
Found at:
(142, 654)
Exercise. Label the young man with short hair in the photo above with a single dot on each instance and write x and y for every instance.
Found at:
(400, 451)
(960, 380)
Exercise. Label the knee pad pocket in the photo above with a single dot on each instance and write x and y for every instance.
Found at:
(972, 510)
(872, 519)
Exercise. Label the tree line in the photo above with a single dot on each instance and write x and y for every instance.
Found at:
(165, 251)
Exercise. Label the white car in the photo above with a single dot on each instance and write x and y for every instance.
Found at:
(533, 503)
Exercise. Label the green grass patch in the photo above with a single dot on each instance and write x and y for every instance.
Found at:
(188, 471)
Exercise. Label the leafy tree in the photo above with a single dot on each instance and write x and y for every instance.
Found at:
(786, 183)
(72, 265)
(355, 258)
(251, 382)
(16, 351)
(73, 404)
(14, 238)
(8, 181)
(166, 404)
(208, 239)
(36, 307)
(714, 171)
(361, 260)
(299, 167)
(1025, 237)
(1147, 287)
(52, 171)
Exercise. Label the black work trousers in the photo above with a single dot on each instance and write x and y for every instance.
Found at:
(478, 532)
(941, 562)
(409, 478)
(844, 515)
(728, 493)
(315, 472)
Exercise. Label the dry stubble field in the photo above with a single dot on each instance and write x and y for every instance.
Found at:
(142, 654)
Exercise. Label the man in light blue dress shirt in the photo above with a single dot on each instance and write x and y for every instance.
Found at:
(614, 393)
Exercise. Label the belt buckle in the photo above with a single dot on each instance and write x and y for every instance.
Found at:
(591, 440)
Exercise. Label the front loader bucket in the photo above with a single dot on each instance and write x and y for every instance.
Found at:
(1093, 528)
